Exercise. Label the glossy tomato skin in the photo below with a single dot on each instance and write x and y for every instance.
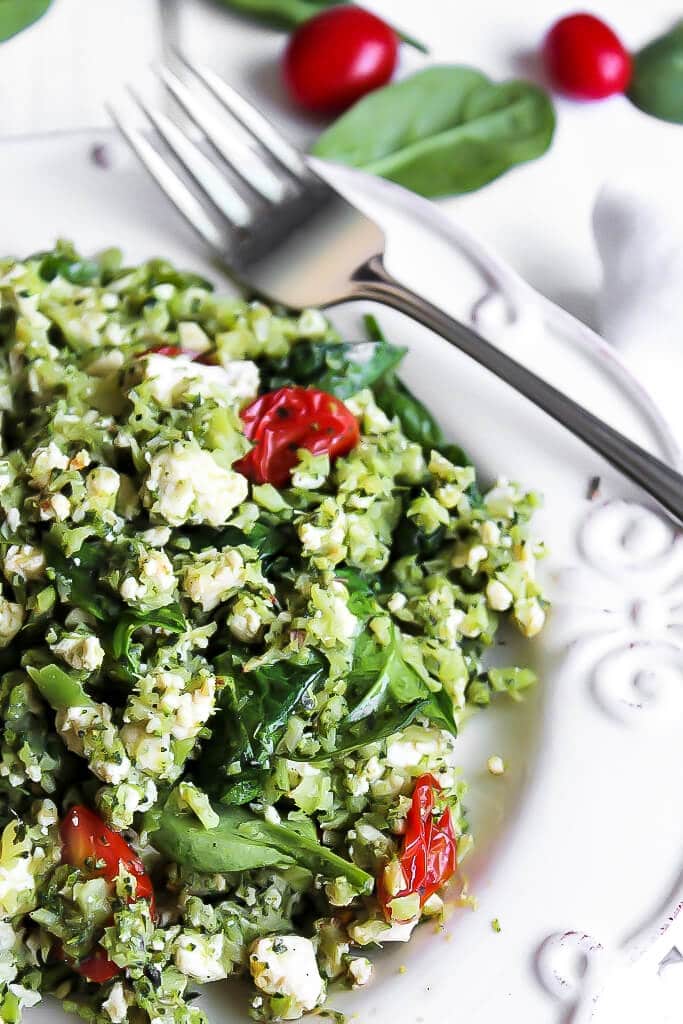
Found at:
(338, 56)
(429, 854)
(585, 59)
(282, 421)
(89, 844)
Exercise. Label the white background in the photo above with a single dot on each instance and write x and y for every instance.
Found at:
(58, 74)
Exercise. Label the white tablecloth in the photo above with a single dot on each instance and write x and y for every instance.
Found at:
(58, 74)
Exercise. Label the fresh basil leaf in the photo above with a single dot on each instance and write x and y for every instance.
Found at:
(443, 131)
(169, 617)
(290, 13)
(241, 841)
(657, 82)
(16, 15)
(253, 711)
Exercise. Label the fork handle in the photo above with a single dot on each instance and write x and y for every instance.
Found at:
(661, 482)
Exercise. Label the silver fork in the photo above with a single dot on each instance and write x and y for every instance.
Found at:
(288, 236)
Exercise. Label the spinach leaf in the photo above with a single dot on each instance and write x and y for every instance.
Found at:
(443, 131)
(75, 270)
(169, 617)
(385, 722)
(16, 15)
(417, 423)
(657, 83)
(290, 13)
(342, 369)
(253, 711)
(79, 581)
(381, 678)
(241, 841)
(268, 540)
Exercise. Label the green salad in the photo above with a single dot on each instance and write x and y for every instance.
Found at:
(247, 593)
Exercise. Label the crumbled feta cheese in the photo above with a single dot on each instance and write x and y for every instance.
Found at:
(407, 749)
(397, 602)
(43, 461)
(498, 596)
(202, 957)
(186, 484)
(245, 622)
(115, 1005)
(102, 484)
(496, 765)
(80, 460)
(489, 533)
(106, 364)
(174, 379)
(89, 732)
(11, 619)
(25, 561)
(157, 537)
(360, 971)
(213, 578)
(80, 652)
(529, 616)
(156, 583)
(500, 500)
(57, 506)
(285, 965)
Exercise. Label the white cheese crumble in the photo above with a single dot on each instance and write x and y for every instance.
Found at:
(115, 1005)
(360, 971)
(186, 484)
(80, 652)
(285, 965)
(201, 956)
(498, 596)
(24, 561)
(173, 379)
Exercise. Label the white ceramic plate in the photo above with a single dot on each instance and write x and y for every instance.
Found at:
(578, 845)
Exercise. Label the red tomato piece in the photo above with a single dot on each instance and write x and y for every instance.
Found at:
(283, 421)
(89, 844)
(338, 56)
(429, 854)
(585, 59)
(97, 967)
(170, 351)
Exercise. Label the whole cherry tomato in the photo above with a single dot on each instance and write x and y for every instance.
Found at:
(429, 854)
(283, 421)
(338, 56)
(585, 59)
(100, 852)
